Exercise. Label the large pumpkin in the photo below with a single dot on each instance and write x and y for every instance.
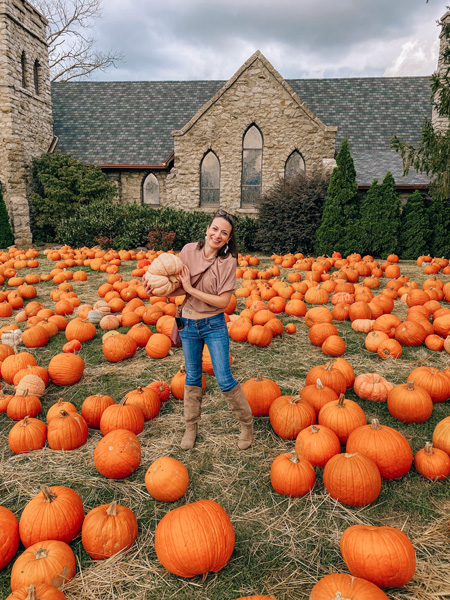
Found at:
(260, 393)
(195, 539)
(65, 369)
(119, 347)
(122, 416)
(336, 586)
(108, 529)
(50, 561)
(56, 513)
(352, 479)
(118, 454)
(67, 431)
(383, 555)
(410, 403)
(9, 536)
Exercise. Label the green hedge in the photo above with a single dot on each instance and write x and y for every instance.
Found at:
(128, 225)
(6, 234)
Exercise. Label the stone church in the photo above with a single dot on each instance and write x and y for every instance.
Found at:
(194, 144)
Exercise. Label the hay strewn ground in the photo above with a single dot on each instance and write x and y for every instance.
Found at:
(283, 545)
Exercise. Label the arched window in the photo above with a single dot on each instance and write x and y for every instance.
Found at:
(23, 61)
(210, 179)
(151, 189)
(36, 69)
(251, 166)
(294, 165)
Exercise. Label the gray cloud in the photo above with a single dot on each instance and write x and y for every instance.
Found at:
(199, 39)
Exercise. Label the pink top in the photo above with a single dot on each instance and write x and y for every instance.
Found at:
(219, 278)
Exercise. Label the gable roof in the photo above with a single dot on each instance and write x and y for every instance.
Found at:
(130, 123)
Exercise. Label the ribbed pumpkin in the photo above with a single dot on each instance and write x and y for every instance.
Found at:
(166, 479)
(337, 586)
(441, 435)
(118, 454)
(374, 339)
(108, 529)
(195, 539)
(27, 435)
(177, 383)
(119, 347)
(161, 388)
(14, 363)
(372, 386)
(410, 333)
(56, 513)
(9, 538)
(329, 375)
(386, 446)
(342, 416)
(318, 395)
(65, 369)
(318, 444)
(54, 410)
(292, 475)
(389, 349)
(158, 346)
(33, 384)
(140, 333)
(93, 408)
(319, 314)
(289, 415)
(260, 336)
(433, 380)
(41, 591)
(50, 561)
(23, 405)
(334, 345)
(352, 478)
(410, 403)
(122, 416)
(432, 463)
(4, 400)
(80, 329)
(319, 332)
(146, 399)
(260, 393)
(67, 431)
(383, 555)
(35, 337)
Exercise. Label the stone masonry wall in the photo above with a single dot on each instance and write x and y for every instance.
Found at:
(256, 95)
(441, 123)
(129, 185)
(26, 126)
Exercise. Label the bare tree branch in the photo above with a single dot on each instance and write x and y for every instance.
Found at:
(72, 52)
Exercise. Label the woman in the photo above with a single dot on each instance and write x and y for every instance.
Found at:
(214, 260)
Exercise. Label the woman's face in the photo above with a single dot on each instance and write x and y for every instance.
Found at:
(218, 233)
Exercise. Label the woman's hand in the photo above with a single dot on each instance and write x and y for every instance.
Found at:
(185, 277)
(147, 287)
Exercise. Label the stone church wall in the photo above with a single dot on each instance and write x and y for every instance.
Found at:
(26, 126)
(256, 95)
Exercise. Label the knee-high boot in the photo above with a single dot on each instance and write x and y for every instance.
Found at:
(242, 411)
(192, 411)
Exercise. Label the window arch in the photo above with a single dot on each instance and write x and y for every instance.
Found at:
(295, 164)
(36, 73)
(252, 146)
(150, 189)
(210, 179)
(23, 62)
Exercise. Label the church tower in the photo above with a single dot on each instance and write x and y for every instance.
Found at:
(26, 126)
(441, 123)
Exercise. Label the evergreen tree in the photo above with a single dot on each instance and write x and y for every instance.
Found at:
(415, 227)
(6, 234)
(338, 230)
(439, 214)
(369, 214)
(388, 224)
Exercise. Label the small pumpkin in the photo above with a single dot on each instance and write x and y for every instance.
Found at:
(318, 444)
(292, 475)
(432, 463)
(118, 454)
(372, 386)
(290, 414)
(67, 431)
(352, 478)
(337, 586)
(410, 403)
(27, 435)
(166, 479)
(260, 393)
(93, 408)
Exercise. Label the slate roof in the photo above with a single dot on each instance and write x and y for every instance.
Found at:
(130, 123)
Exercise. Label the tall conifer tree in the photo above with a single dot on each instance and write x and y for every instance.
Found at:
(369, 214)
(338, 229)
(388, 225)
(414, 228)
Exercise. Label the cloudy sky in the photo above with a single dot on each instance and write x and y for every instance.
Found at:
(210, 39)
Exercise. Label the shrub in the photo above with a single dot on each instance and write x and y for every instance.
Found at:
(415, 227)
(6, 234)
(60, 184)
(339, 229)
(290, 214)
(369, 215)
(389, 222)
(439, 214)
(129, 225)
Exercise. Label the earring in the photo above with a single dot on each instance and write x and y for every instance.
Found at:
(206, 237)
(226, 249)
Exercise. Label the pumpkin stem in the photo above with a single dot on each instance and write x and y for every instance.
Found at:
(377, 378)
(60, 401)
(294, 457)
(112, 509)
(295, 399)
(182, 369)
(31, 593)
(123, 401)
(140, 390)
(259, 377)
(375, 424)
(24, 393)
(428, 448)
(49, 496)
(64, 413)
(314, 429)
(319, 385)
(410, 385)
(328, 366)
(341, 401)
(41, 553)
(25, 421)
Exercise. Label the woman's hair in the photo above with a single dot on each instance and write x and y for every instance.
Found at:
(231, 246)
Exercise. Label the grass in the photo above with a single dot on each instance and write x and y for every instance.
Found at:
(283, 545)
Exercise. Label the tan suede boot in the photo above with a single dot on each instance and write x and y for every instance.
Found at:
(192, 411)
(242, 411)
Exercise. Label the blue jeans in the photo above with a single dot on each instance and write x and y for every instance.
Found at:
(213, 331)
